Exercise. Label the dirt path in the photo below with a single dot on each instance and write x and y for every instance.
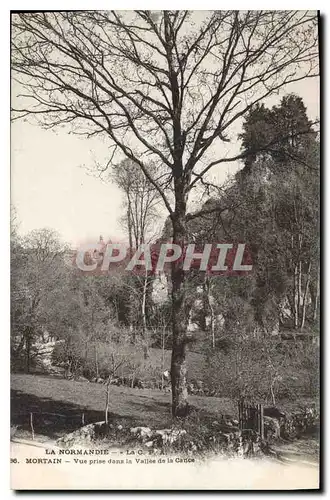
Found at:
(304, 451)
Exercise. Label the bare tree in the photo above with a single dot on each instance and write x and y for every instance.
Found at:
(163, 87)
(116, 363)
(37, 267)
(141, 203)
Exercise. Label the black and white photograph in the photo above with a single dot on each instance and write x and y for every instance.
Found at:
(165, 250)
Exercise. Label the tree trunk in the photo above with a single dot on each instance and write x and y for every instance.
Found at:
(130, 242)
(211, 310)
(303, 314)
(317, 293)
(144, 319)
(129, 223)
(133, 380)
(299, 281)
(28, 350)
(163, 355)
(272, 392)
(96, 361)
(295, 296)
(107, 400)
(212, 327)
(179, 322)
(205, 304)
(299, 284)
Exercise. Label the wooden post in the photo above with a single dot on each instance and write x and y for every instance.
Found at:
(251, 417)
(31, 425)
(107, 399)
(246, 416)
(262, 432)
(240, 414)
(83, 419)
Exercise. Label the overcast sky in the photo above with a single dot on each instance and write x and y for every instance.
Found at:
(51, 188)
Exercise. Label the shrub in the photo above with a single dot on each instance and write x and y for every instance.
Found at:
(265, 370)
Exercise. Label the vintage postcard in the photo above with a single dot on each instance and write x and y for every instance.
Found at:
(165, 269)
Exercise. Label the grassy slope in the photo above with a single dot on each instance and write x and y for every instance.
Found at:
(134, 354)
(139, 407)
(44, 395)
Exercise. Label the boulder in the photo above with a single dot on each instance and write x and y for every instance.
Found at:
(84, 435)
(142, 432)
(170, 435)
(272, 428)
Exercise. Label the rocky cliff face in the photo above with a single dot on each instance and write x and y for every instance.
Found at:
(44, 352)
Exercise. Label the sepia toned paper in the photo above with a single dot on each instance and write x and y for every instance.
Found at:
(165, 270)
